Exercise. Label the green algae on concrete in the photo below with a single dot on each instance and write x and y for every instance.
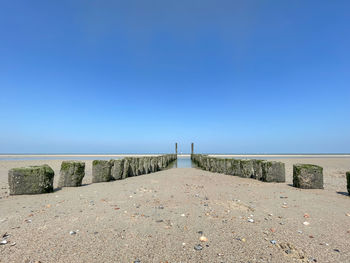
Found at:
(257, 166)
(247, 168)
(31, 180)
(71, 174)
(307, 176)
(117, 169)
(101, 171)
(273, 171)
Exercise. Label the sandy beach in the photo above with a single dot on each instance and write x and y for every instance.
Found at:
(160, 217)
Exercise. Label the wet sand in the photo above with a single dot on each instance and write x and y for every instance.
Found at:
(159, 217)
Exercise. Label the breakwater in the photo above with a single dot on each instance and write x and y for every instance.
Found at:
(104, 171)
(39, 179)
(267, 171)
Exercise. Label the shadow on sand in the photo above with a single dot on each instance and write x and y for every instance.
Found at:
(343, 193)
(60, 188)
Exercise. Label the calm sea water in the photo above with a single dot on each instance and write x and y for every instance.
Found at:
(183, 162)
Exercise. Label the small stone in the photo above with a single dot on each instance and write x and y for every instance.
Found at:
(203, 239)
(3, 242)
(198, 247)
(306, 223)
(72, 232)
(251, 220)
(336, 250)
(273, 242)
(288, 251)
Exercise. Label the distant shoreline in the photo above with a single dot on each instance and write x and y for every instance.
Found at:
(320, 155)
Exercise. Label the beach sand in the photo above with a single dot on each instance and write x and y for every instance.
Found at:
(159, 217)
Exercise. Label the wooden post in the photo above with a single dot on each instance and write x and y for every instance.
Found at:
(191, 148)
(176, 148)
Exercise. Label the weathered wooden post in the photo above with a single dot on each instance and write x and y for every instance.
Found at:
(191, 148)
(176, 148)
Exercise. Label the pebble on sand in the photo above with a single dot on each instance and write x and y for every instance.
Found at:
(198, 247)
(203, 239)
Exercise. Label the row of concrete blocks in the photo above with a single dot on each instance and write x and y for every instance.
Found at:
(267, 171)
(104, 171)
(39, 179)
(305, 176)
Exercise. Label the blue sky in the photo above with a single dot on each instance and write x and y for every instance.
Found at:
(136, 76)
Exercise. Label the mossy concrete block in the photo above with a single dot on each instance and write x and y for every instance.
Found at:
(101, 171)
(31, 180)
(348, 181)
(257, 166)
(127, 172)
(307, 176)
(221, 165)
(236, 167)
(71, 174)
(213, 165)
(147, 164)
(273, 172)
(134, 166)
(207, 164)
(160, 162)
(154, 164)
(117, 169)
(140, 168)
(229, 167)
(247, 168)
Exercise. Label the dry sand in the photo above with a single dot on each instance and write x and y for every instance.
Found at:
(158, 218)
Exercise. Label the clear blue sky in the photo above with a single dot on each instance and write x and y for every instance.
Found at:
(136, 76)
